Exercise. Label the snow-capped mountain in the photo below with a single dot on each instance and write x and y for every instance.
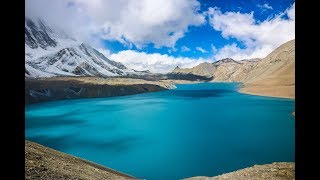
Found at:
(49, 52)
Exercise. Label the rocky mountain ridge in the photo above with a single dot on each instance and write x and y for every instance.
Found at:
(273, 75)
(50, 52)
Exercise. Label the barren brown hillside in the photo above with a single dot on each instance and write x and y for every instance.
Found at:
(273, 75)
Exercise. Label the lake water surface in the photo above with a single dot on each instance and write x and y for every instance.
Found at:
(197, 129)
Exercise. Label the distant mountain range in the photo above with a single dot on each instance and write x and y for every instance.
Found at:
(280, 60)
(222, 70)
(273, 74)
(49, 52)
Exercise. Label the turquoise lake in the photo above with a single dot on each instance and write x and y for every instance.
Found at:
(203, 129)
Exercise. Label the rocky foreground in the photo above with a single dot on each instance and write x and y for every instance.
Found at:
(46, 163)
(274, 171)
(56, 88)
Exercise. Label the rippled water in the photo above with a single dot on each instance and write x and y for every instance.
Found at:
(197, 129)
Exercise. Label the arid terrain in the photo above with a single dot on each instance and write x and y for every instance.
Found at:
(274, 171)
(46, 163)
(203, 69)
(273, 75)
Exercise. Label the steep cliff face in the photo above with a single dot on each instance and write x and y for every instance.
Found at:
(74, 92)
(39, 90)
(50, 52)
(37, 35)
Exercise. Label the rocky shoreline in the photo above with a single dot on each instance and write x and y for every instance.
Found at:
(45, 163)
(57, 88)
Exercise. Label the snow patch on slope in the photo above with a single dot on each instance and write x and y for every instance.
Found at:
(51, 52)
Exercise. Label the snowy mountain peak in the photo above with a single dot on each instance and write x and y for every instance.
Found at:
(49, 52)
(37, 35)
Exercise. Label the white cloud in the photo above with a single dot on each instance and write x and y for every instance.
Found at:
(291, 12)
(64, 15)
(184, 49)
(201, 49)
(234, 52)
(163, 22)
(259, 39)
(160, 22)
(160, 63)
(264, 7)
(213, 48)
(133, 23)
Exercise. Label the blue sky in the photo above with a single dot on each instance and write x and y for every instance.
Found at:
(204, 36)
(160, 35)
